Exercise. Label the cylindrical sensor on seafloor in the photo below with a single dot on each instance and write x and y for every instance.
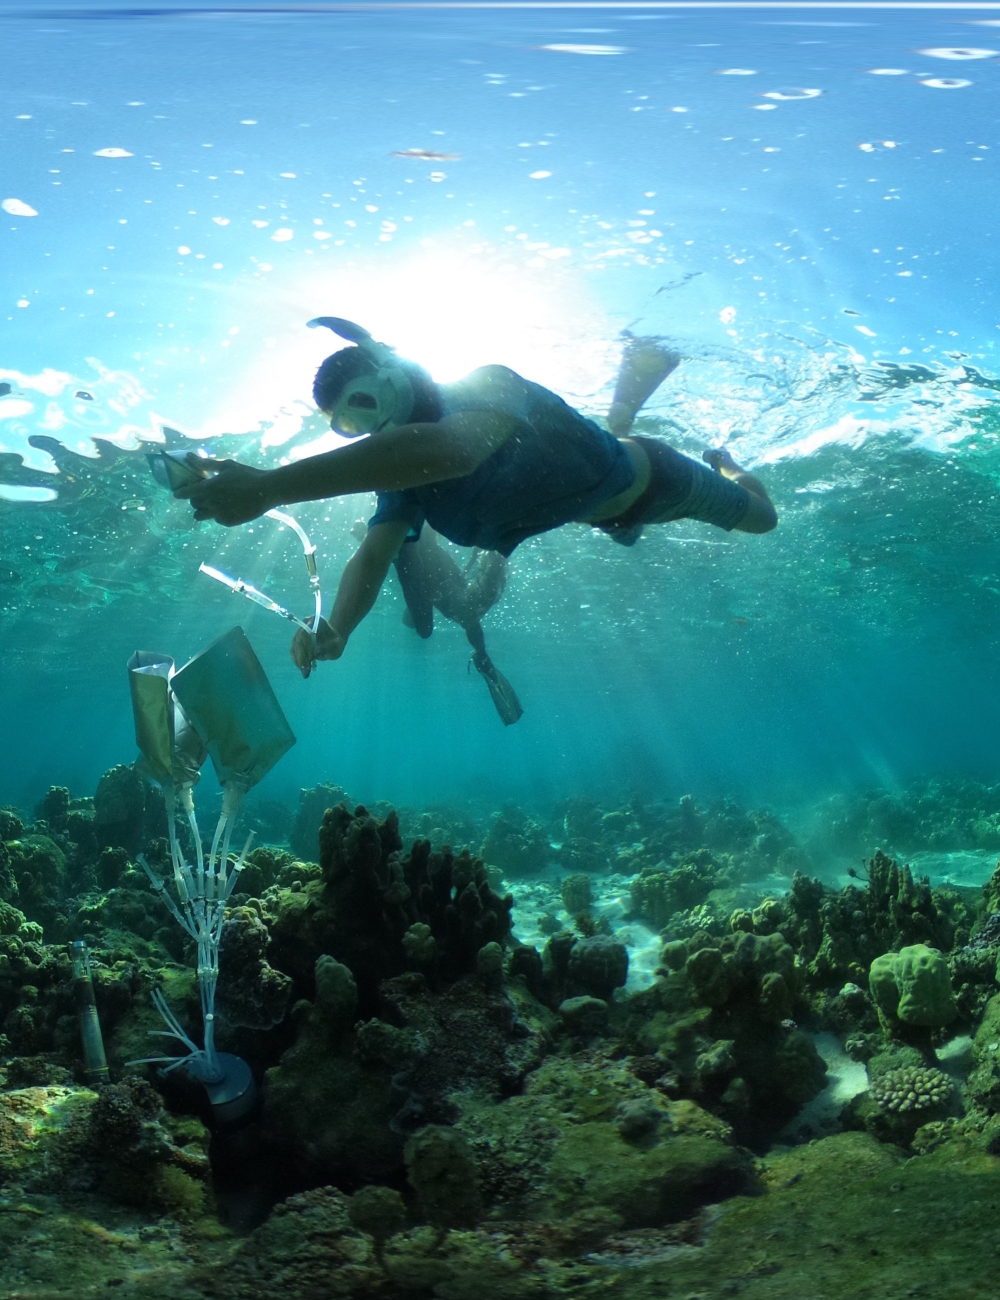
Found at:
(95, 1063)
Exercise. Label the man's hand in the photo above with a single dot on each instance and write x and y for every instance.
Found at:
(230, 493)
(309, 647)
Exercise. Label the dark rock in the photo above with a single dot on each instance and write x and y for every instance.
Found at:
(639, 1119)
(585, 1015)
(249, 992)
(598, 966)
(313, 804)
(442, 1172)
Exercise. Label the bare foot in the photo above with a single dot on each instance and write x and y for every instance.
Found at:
(720, 459)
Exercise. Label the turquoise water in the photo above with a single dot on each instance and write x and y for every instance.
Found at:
(798, 199)
(674, 1014)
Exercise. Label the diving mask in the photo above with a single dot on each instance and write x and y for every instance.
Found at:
(375, 401)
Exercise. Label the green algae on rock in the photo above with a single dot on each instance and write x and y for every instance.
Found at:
(119, 1144)
(658, 892)
(913, 987)
(560, 1147)
(720, 1019)
(442, 1172)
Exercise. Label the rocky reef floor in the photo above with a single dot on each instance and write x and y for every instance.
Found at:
(639, 1050)
(844, 1216)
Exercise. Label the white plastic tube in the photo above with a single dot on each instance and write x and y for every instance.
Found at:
(242, 588)
(309, 551)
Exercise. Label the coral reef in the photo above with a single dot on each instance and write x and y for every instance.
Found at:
(983, 1084)
(931, 814)
(446, 1111)
(119, 1144)
(262, 869)
(347, 1093)
(515, 845)
(313, 803)
(838, 934)
(11, 825)
(686, 882)
(442, 1172)
(572, 967)
(382, 912)
(307, 1250)
(33, 981)
(126, 810)
(910, 1102)
(577, 894)
(249, 992)
(38, 866)
(912, 987)
(559, 1148)
(911, 1088)
(717, 1026)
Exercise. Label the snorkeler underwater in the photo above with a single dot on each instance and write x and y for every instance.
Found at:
(499, 642)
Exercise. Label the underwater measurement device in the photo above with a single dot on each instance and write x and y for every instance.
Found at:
(174, 470)
(95, 1063)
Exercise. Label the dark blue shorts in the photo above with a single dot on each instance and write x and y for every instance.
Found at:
(679, 488)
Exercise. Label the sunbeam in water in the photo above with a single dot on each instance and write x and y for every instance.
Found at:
(660, 956)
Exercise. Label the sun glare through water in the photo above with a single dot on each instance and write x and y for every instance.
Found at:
(450, 310)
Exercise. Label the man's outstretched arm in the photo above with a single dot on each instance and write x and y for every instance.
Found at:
(413, 455)
(359, 586)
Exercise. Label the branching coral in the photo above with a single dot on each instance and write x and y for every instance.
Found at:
(911, 1088)
(837, 935)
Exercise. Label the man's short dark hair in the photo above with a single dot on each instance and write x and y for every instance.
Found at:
(353, 362)
(338, 370)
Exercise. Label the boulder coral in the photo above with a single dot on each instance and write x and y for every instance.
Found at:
(912, 987)
(515, 844)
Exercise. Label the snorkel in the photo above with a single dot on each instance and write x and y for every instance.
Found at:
(369, 403)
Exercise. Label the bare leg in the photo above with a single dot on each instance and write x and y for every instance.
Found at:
(487, 582)
(645, 364)
(431, 580)
(417, 569)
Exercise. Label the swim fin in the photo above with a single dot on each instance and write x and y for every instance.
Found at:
(503, 695)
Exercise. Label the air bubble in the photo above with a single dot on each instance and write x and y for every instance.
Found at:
(945, 83)
(958, 52)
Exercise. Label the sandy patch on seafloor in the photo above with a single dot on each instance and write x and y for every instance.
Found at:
(845, 1079)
